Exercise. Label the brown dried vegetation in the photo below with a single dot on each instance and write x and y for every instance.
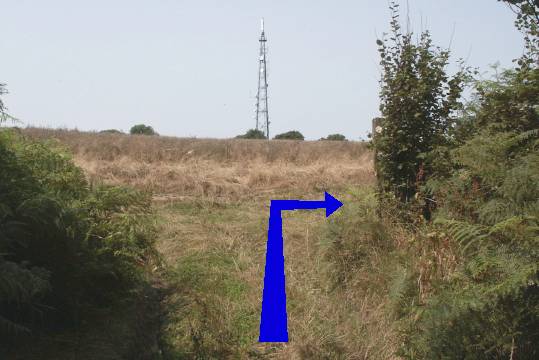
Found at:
(211, 198)
(235, 168)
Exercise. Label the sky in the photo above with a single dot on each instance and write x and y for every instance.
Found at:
(189, 68)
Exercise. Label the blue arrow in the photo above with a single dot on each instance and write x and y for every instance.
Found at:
(273, 319)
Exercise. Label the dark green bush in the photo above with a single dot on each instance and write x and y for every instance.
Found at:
(142, 129)
(290, 135)
(65, 246)
(252, 134)
(113, 131)
(489, 307)
(474, 286)
(335, 137)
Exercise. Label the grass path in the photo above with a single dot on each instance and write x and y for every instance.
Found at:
(211, 291)
(216, 252)
(212, 215)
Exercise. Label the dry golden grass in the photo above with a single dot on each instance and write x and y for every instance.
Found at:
(104, 146)
(212, 200)
(176, 168)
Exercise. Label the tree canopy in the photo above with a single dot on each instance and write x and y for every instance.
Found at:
(335, 137)
(290, 135)
(252, 134)
(142, 129)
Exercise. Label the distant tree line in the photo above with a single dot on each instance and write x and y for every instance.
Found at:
(142, 129)
(289, 135)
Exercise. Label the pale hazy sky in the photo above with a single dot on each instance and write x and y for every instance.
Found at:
(189, 67)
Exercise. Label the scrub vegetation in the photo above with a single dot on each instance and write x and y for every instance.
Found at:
(70, 251)
(115, 246)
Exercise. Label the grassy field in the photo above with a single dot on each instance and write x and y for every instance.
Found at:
(205, 168)
(212, 203)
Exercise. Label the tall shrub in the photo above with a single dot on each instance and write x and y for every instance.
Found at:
(488, 211)
(66, 247)
(418, 103)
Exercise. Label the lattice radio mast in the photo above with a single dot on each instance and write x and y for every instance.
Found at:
(262, 116)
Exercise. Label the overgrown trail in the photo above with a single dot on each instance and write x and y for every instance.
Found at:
(212, 205)
(215, 249)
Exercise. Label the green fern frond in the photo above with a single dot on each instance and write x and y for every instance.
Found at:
(521, 183)
(496, 210)
(527, 135)
(464, 233)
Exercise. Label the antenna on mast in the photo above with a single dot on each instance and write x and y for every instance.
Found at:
(262, 117)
